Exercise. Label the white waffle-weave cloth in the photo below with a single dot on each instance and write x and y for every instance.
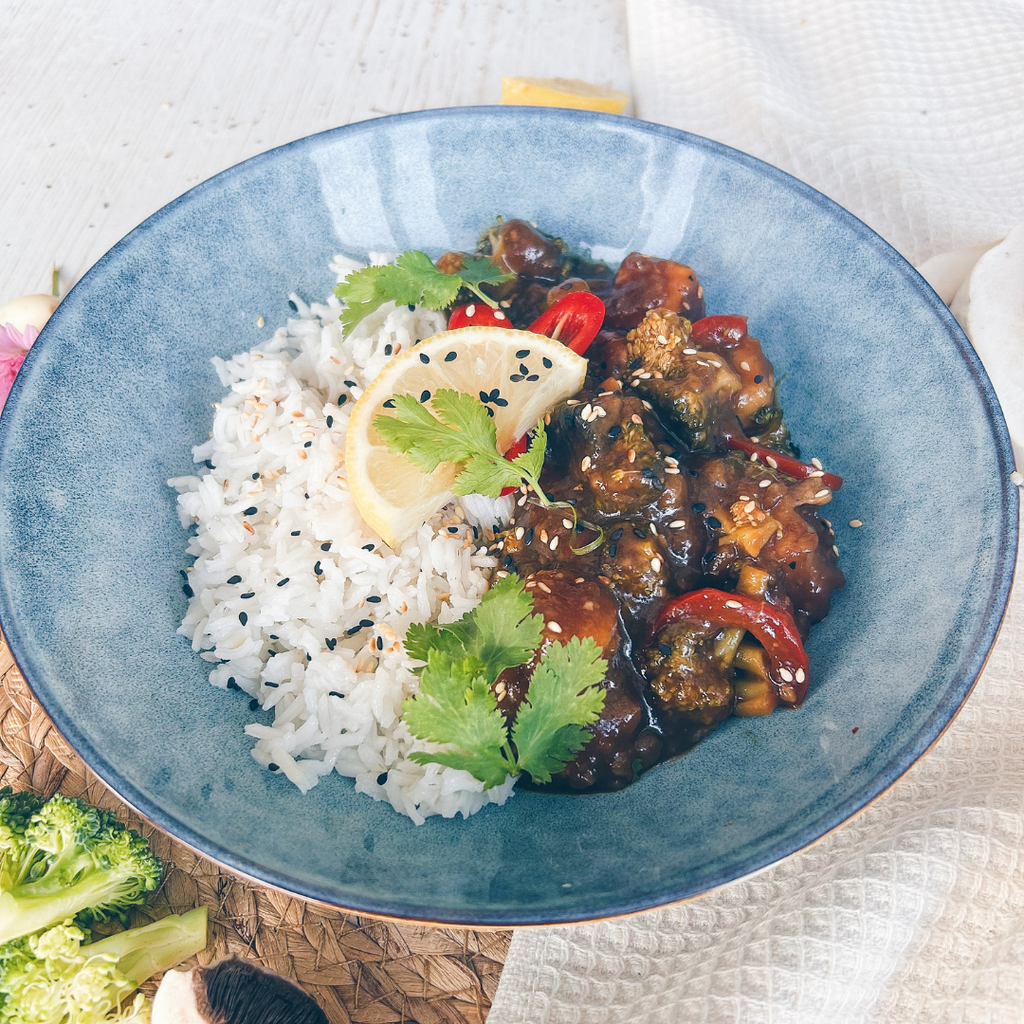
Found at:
(910, 115)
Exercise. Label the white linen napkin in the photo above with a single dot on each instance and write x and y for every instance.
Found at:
(911, 116)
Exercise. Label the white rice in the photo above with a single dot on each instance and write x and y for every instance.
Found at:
(281, 634)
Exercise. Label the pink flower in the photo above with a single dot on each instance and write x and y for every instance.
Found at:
(14, 346)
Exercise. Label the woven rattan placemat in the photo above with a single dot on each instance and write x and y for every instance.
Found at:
(358, 969)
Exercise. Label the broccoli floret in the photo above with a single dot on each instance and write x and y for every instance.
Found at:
(52, 978)
(70, 860)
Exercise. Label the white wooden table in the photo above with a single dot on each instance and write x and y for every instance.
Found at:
(110, 110)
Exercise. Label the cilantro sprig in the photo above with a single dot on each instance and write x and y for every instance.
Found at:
(460, 430)
(413, 279)
(456, 706)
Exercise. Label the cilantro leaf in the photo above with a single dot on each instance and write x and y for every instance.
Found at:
(415, 432)
(455, 706)
(563, 698)
(500, 632)
(531, 462)
(413, 279)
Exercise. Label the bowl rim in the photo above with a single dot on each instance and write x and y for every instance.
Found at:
(937, 722)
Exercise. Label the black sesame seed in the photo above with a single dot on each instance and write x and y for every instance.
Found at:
(501, 402)
(533, 377)
(614, 431)
(188, 591)
(308, 444)
(273, 636)
(522, 353)
(297, 533)
(547, 363)
(639, 533)
(613, 550)
(253, 704)
(524, 369)
(451, 357)
(272, 654)
(616, 534)
(515, 377)
(331, 642)
(792, 565)
(367, 547)
(424, 358)
(453, 529)
(424, 396)
(484, 397)
(353, 630)
(325, 547)
(281, 583)
(232, 685)
(255, 476)
(366, 623)
(273, 686)
(309, 657)
(342, 399)
(665, 649)
(649, 473)
(317, 570)
(714, 523)
(350, 384)
(250, 511)
(389, 404)
(698, 506)
(330, 421)
(184, 573)
(273, 767)
(636, 364)
(374, 599)
(549, 496)
(243, 618)
(208, 464)
(508, 562)
(335, 693)
(382, 778)
(529, 536)
(490, 411)
(251, 593)
(412, 307)
(759, 378)
(388, 349)
(380, 643)
(293, 306)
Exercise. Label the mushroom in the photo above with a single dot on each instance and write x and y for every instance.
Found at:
(232, 991)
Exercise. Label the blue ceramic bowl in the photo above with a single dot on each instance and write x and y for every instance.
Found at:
(877, 379)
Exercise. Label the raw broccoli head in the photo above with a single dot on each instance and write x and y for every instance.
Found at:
(69, 860)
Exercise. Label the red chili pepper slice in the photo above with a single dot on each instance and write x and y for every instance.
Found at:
(573, 320)
(477, 314)
(774, 628)
(719, 329)
(783, 463)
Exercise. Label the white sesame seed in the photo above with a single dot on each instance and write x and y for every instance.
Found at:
(816, 463)
(771, 462)
(765, 483)
(504, 303)
(572, 401)
(677, 524)
(567, 523)
(544, 587)
(745, 366)
(787, 676)
(543, 536)
(647, 405)
(519, 533)
(656, 564)
(601, 411)
(587, 409)
(836, 550)
(823, 493)
(585, 464)
(631, 456)
(522, 501)
(672, 471)
(555, 628)
(733, 604)
(856, 523)
(501, 574)
(753, 456)
(645, 376)
(654, 529)
(471, 311)
(703, 362)
(750, 506)
(635, 419)
(580, 579)
(801, 675)
(498, 315)
(689, 351)
(816, 473)
(669, 461)
(554, 543)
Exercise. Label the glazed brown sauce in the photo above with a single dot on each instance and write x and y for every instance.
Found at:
(640, 453)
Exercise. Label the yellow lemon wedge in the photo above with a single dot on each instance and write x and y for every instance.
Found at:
(393, 496)
(561, 92)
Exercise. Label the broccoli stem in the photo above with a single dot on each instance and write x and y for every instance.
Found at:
(154, 948)
(44, 903)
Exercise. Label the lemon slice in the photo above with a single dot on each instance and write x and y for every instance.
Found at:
(561, 92)
(393, 496)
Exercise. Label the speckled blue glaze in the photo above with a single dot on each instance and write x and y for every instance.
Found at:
(877, 379)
